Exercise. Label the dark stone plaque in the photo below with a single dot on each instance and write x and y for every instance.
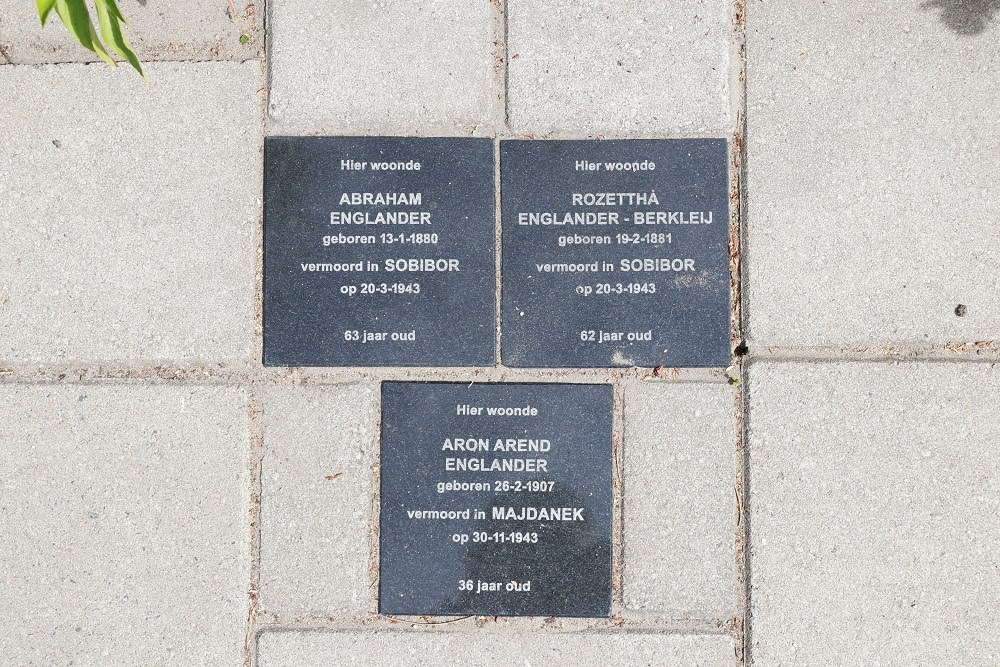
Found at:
(496, 499)
(379, 251)
(615, 253)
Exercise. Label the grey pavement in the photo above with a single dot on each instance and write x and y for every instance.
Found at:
(351, 67)
(123, 511)
(419, 649)
(175, 30)
(619, 69)
(166, 500)
(871, 146)
(680, 520)
(130, 213)
(873, 510)
(317, 513)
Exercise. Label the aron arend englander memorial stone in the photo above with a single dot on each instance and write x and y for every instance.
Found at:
(496, 499)
(379, 251)
(615, 253)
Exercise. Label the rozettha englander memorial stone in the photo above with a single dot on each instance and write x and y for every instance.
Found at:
(615, 253)
(379, 251)
(495, 499)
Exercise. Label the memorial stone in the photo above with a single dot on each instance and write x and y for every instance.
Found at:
(495, 499)
(615, 253)
(379, 251)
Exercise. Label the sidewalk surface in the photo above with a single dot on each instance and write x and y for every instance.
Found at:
(829, 499)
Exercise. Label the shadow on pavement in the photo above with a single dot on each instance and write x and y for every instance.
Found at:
(966, 17)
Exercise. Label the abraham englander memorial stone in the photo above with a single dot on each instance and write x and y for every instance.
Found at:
(379, 251)
(615, 253)
(495, 499)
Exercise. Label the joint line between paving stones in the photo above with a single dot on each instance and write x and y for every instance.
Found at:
(297, 376)
(743, 396)
(738, 315)
(618, 499)
(292, 128)
(498, 256)
(966, 352)
(148, 61)
(256, 407)
(96, 373)
(374, 535)
(268, 73)
(278, 621)
(256, 432)
(258, 289)
(505, 26)
(741, 489)
(742, 624)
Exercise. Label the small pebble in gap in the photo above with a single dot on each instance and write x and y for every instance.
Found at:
(961, 310)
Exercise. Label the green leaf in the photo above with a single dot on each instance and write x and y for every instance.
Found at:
(76, 17)
(44, 9)
(115, 11)
(108, 17)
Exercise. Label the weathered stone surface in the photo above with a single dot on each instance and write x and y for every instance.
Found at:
(129, 213)
(611, 68)
(158, 30)
(680, 507)
(418, 649)
(317, 486)
(124, 514)
(350, 67)
(872, 149)
(873, 514)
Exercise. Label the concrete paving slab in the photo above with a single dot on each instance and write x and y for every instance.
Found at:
(605, 67)
(873, 514)
(680, 507)
(418, 649)
(129, 213)
(872, 155)
(158, 30)
(123, 511)
(317, 510)
(392, 67)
